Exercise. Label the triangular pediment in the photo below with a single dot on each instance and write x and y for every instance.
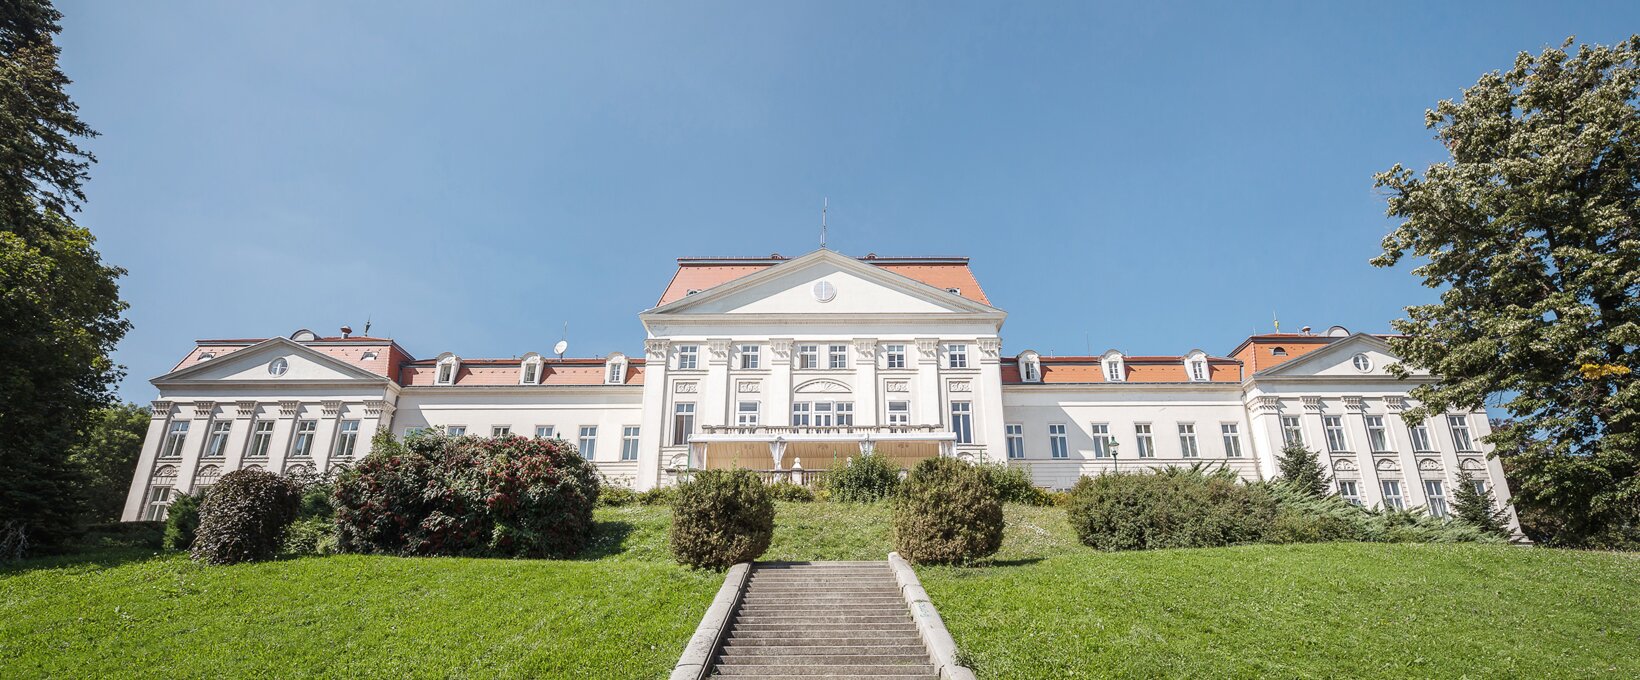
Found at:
(251, 364)
(824, 282)
(1338, 360)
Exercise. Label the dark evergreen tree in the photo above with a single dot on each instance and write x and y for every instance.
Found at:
(1478, 507)
(107, 452)
(1301, 469)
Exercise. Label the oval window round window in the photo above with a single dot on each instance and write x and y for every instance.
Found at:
(277, 367)
(1363, 363)
(824, 291)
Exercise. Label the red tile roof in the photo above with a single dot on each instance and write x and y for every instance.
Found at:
(1072, 370)
(703, 273)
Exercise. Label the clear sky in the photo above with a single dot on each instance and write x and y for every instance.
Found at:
(1151, 177)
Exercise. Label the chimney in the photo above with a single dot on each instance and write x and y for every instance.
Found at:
(1305, 330)
(346, 331)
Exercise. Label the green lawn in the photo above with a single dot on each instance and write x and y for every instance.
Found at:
(1044, 607)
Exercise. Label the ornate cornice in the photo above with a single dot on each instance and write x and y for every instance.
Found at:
(782, 347)
(331, 408)
(1268, 404)
(377, 407)
(159, 409)
(203, 410)
(929, 347)
(1396, 403)
(866, 348)
(1311, 403)
(1354, 403)
(991, 347)
(719, 349)
(656, 348)
(245, 409)
(288, 408)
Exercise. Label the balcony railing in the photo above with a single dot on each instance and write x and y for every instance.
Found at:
(820, 429)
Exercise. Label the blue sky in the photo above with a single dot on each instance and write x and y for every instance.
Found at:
(1152, 177)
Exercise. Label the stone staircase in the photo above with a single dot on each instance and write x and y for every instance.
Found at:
(822, 620)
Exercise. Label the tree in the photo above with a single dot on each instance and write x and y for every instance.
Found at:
(1531, 230)
(1478, 507)
(107, 452)
(1301, 469)
(60, 312)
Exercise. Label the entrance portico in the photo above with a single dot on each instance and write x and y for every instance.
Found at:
(800, 452)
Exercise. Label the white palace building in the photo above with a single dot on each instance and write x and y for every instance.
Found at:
(794, 365)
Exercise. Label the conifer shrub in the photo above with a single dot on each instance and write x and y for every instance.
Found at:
(660, 495)
(1013, 484)
(720, 518)
(1478, 507)
(1301, 469)
(1169, 508)
(863, 479)
(795, 493)
(182, 521)
(615, 495)
(947, 512)
(244, 517)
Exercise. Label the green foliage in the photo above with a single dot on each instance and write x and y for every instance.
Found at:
(244, 517)
(60, 312)
(660, 495)
(1013, 484)
(311, 536)
(1303, 518)
(615, 495)
(440, 495)
(1478, 507)
(107, 450)
(1169, 508)
(947, 512)
(784, 490)
(1301, 469)
(721, 517)
(147, 536)
(863, 479)
(182, 521)
(1529, 231)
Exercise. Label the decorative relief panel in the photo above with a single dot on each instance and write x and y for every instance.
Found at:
(749, 387)
(897, 386)
(1345, 465)
(960, 386)
(823, 386)
(1388, 465)
(1472, 464)
(686, 387)
(1429, 464)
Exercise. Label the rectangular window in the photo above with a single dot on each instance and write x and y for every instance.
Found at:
(751, 357)
(746, 414)
(1436, 496)
(1187, 440)
(956, 356)
(1460, 432)
(1198, 370)
(1334, 425)
(500, 430)
(217, 447)
(837, 357)
(1232, 439)
(529, 372)
(1016, 440)
(261, 439)
(683, 422)
(688, 357)
(1147, 444)
(1377, 436)
(1058, 446)
(456, 430)
(1291, 431)
(962, 421)
(1479, 485)
(1348, 491)
(629, 442)
(899, 413)
(1420, 437)
(543, 432)
(1101, 440)
(894, 356)
(302, 445)
(347, 438)
(845, 414)
(589, 441)
(1113, 371)
(801, 414)
(822, 414)
(617, 371)
(1392, 495)
(174, 439)
(159, 498)
(808, 356)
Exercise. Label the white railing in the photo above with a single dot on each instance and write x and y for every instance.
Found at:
(819, 429)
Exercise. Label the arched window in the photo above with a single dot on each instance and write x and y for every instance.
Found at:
(206, 476)
(298, 470)
(615, 369)
(1278, 351)
(1195, 366)
(529, 372)
(449, 365)
(160, 492)
(1114, 365)
(1030, 367)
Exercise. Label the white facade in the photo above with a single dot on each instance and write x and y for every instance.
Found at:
(776, 364)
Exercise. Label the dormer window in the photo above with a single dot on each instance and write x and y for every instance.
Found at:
(1030, 367)
(1195, 366)
(529, 372)
(1278, 351)
(448, 366)
(1115, 368)
(207, 356)
(615, 369)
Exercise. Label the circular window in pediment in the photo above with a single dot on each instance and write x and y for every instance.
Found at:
(278, 367)
(824, 291)
(1362, 362)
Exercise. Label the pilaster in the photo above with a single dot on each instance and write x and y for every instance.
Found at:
(652, 426)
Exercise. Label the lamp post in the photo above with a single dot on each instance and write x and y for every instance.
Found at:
(1115, 465)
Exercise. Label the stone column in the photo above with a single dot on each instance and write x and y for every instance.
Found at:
(990, 421)
(928, 407)
(711, 403)
(777, 393)
(866, 400)
(136, 499)
(1263, 416)
(652, 420)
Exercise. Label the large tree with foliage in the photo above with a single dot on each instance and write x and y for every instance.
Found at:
(107, 452)
(1302, 470)
(1531, 231)
(60, 312)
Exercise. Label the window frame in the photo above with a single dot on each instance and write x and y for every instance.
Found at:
(1456, 423)
(956, 356)
(894, 354)
(549, 433)
(898, 417)
(587, 443)
(1353, 494)
(1421, 441)
(836, 357)
(1231, 434)
(1101, 439)
(1435, 499)
(1059, 445)
(1189, 447)
(629, 442)
(1292, 430)
(500, 431)
(692, 354)
(1377, 435)
(962, 421)
(1331, 425)
(755, 413)
(1145, 440)
(802, 414)
(260, 443)
(301, 440)
(347, 438)
(216, 440)
(1399, 497)
(808, 357)
(1014, 434)
(683, 422)
(751, 357)
(176, 434)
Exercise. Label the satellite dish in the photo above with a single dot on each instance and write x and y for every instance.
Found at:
(560, 347)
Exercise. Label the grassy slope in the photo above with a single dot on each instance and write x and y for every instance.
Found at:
(1045, 607)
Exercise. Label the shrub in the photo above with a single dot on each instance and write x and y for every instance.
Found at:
(1301, 469)
(1303, 518)
(311, 536)
(863, 479)
(182, 521)
(660, 495)
(244, 517)
(615, 496)
(947, 512)
(146, 535)
(443, 495)
(1013, 484)
(1170, 508)
(787, 491)
(1478, 507)
(721, 517)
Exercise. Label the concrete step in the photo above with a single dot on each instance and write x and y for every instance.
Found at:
(826, 618)
(798, 641)
(807, 608)
(773, 670)
(874, 651)
(824, 601)
(849, 584)
(838, 659)
(819, 565)
(902, 626)
(914, 675)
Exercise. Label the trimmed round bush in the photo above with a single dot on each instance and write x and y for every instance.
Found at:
(947, 513)
(244, 517)
(182, 521)
(794, 493)
(720, 518)
(1013, 484)
(1169, 508)
(442, 495)
(863, 479)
